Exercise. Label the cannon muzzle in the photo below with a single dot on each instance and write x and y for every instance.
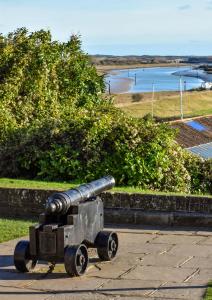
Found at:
(59, 203)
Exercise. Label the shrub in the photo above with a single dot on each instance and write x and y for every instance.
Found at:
(137, 97)
(87, 144)
(200, 171)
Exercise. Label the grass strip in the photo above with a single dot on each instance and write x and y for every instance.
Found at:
(13, 228)
(49, 185)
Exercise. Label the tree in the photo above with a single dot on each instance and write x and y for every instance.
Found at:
(40, 77)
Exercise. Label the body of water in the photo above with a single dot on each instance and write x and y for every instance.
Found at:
(142, 79)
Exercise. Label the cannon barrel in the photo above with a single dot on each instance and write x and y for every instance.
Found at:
(59, 203)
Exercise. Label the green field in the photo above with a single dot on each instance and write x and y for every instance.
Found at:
(49, 185)
(13, 228)
(166, 104)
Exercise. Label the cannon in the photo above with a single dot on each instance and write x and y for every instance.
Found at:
(72, 222)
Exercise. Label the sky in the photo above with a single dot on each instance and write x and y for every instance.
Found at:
(118, 27)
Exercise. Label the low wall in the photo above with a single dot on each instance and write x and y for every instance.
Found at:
(120, 208)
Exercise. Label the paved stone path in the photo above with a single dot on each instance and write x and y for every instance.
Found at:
(152, 263)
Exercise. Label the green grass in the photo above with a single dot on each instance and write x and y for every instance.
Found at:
(13, 228)
(167, 104)
(208, 295)
(49, 185)
(35, 184)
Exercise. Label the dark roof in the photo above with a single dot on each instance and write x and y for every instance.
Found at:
(189, 134)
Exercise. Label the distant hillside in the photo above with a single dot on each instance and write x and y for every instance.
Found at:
(200, 59)
(134, 59)
(103, 60)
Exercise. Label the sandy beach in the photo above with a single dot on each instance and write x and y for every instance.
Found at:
(108, 68)
(120, 86)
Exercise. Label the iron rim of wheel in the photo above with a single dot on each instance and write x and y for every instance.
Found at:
(81, 260)
(112, 245)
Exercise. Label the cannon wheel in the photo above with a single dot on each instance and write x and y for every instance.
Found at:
(22, 260)
(76, 260)
(107, 245)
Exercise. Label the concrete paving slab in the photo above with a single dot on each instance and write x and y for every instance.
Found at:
(58, 282)
(6, 249)
(10, 276)
(192, 250)
(206, 241)
(164, 260)
(11, 293)
(11, 244)
(84, 296)
(129, 240)
(162, 273)
(180, 291)
(177, 239)
(6, 260)
(146, 249)
(15, 279)
(202, 276)
(179, 230)
(7, 263)
(199, 262)
(130, 288)
(115, 268)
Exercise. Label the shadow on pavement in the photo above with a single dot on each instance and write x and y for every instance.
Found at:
(34, 292)
(6, 261)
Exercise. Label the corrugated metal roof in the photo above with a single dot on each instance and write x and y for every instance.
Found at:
(197, 126)
(204, 150)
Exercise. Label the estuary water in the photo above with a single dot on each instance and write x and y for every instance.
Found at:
(142, 79)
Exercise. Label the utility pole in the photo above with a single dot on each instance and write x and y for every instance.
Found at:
(153, 96)
(181, 98)
(135, 79)
(109, 89)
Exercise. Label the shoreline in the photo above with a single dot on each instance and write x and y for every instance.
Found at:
(109, 68)
(121, 86)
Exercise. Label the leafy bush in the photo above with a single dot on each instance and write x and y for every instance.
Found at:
(137, 97)
(200, 171)
(88, 144)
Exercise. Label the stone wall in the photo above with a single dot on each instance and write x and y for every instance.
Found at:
(120, 208)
